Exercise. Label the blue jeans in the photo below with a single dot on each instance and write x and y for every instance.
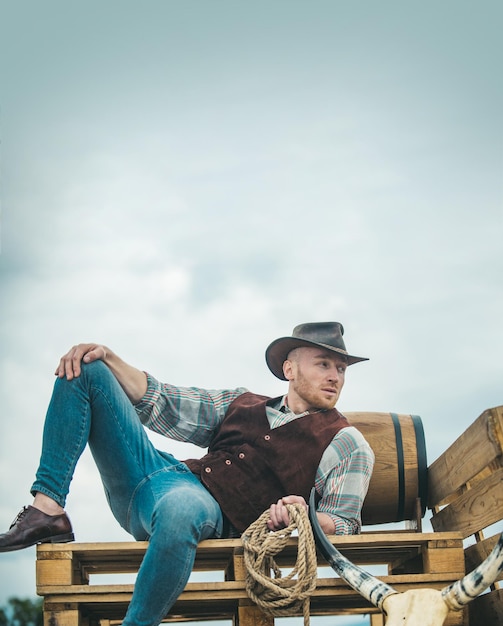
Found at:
(151, 494)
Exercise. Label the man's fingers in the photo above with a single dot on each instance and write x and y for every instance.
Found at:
(273, 523)
(285, 515)
(65, 367)
(94, 354)
(279, 517)
(70, 364)
(273, 520)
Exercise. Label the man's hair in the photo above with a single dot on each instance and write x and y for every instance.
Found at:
(293, 355)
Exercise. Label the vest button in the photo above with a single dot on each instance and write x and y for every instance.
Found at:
(227, 462)
(207, 470)
(241, 455)
(267, 437)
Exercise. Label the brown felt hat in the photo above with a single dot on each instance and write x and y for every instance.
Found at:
(326, 335)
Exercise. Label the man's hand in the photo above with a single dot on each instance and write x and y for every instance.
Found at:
(278, 513)
(131, 379)
(70, 363)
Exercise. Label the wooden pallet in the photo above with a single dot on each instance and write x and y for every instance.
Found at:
(66, 576)
(465, 495)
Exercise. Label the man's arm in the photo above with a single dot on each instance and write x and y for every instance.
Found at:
(343, 480)
(190, 414)
(131, 379)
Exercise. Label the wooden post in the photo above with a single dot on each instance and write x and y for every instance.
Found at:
(249, 614)
(65, 614)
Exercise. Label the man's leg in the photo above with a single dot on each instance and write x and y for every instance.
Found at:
(176, 512)
(94, 408)
(152, 495)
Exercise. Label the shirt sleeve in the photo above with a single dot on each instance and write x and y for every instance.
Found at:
(343, 479)
(189, 414)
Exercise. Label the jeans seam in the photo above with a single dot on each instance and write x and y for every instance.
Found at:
(71, 467)
(143, 482)
(179, 468)
(117, 422)
(98, 390)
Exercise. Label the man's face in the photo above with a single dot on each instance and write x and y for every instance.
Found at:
(316, 378)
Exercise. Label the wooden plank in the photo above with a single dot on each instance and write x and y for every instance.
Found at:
(439, 556)
(126, 557)
(64, 616)
(230, 589)
(487, 610)
(224, 547)
(109, 552)
(210, 550)
(474, 510)
(331, 597)
(130, 547)
(478, 552)
(239, 567)
(480, 444)
(251, 615)
(81, 592)
(115, 610)
(112, 558)
(55, 571)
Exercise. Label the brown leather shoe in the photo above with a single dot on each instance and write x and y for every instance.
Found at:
(32, 526)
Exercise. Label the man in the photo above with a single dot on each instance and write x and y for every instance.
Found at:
(262, 454)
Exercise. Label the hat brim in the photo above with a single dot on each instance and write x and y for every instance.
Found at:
(278, 350)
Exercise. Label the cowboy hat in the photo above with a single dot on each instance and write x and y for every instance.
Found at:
(326, 335)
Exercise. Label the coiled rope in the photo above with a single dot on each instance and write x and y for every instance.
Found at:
(277, 594)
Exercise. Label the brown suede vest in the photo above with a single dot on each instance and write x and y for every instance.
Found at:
(249, 466)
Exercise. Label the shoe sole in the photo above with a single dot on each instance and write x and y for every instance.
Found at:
(59, 539)
(55, 539)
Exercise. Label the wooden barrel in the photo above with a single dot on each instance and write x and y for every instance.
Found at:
(400, 471)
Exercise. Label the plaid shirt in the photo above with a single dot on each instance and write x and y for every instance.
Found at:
(192, 414)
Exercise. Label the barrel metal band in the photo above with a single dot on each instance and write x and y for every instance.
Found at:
(400, 513)
(422, 463)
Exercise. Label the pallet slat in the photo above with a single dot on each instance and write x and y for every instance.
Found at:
(478, 552)
(475, 509)
(75, 564)
(481, 443)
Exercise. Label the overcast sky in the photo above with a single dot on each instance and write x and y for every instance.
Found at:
(186, 181)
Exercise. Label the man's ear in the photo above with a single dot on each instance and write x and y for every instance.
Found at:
(288, 370)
